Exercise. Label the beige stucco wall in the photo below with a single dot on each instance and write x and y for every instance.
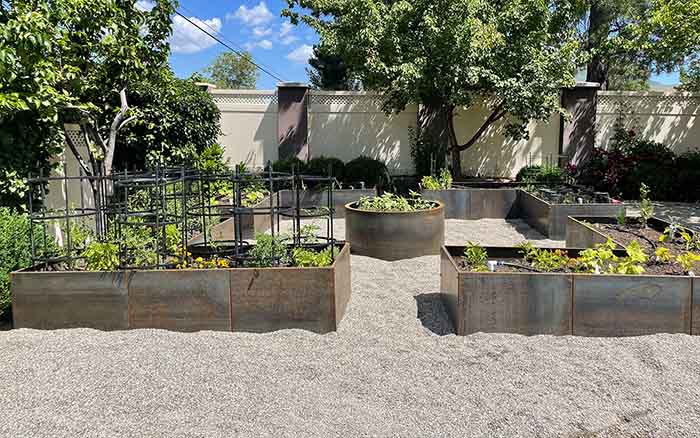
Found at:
(249, 125)
(346, 125)
(669, 118)
(496, 155)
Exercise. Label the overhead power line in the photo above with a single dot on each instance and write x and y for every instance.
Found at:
(219, 40)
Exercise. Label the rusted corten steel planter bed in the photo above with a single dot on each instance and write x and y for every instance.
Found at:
(476, 203)
(565, 303)
(239, 299)
(580, 234)
(551, 219)
(395, 235)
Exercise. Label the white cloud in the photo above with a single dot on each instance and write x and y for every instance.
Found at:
(301, 54)
(254, 16)
(260, 32)
(145, 5)
(263, 44)
(187, 38)
(286, 36)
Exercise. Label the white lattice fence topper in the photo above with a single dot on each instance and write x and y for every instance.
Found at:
(245, 99)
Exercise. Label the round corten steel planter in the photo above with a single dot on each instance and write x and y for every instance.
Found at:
(395, 235)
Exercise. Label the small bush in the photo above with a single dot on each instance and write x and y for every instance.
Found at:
(319, 167)
(289, 164)
(368, 170)
(541, 174)
(15, 252)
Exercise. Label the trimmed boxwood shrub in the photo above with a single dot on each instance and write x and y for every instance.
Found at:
(15, 252)
(286, 165)
(369, 170)
(319, 167)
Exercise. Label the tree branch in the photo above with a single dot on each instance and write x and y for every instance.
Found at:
(496, 115)
(117, 123)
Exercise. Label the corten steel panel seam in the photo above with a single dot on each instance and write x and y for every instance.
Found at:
(230, 302)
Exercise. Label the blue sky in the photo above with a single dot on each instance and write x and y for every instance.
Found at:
(256, 26)
(247, 25)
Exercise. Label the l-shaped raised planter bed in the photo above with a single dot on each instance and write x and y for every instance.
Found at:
(510, 202)
(588, 231)
(532, 303)
(238, 299)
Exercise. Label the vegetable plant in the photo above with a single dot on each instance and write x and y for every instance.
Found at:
(646, 208)
(389, 202)
(622, 217)
(101, 256)
(268, 251)
(545, 260)
(441, 182)
(475, 257)
(305, 258)
(690, 262)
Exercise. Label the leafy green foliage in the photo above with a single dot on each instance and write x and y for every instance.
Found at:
(545, 260)
(307, 258)
(646, 208)
(102, 256)
(372, 172)
(598, 259)
(290, 164)
(268, 251)
(391, 203)
(176, 122)
(690, 262)
(442, 182)
(541, 174)
(320, 166)
(233, 71)
(427, 154)
(633, 264)
(211, 159)
(16, 250)
(328, 71)
(58, 53)
(622, 217)
(517, 55)
(475, 257)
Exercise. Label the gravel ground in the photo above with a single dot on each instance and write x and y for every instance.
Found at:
(394, 368)
(494, 232)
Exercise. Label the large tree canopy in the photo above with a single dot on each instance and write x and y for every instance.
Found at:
(629, 39)
(69, 59)
(513, 55)
(230, 70)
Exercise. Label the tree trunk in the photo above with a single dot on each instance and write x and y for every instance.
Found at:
(598, 31)
(434, 118)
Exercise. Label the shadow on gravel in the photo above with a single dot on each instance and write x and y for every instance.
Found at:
(433, 315)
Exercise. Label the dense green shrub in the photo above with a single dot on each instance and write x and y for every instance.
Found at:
(15, 252)
(175, 120)
(286, 165)
(319, 167)
(541, 174)
(632, 161)
(372, 172)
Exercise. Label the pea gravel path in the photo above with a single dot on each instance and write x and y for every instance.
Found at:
(392, 369)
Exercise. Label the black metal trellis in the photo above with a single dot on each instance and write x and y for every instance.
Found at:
(162, 216)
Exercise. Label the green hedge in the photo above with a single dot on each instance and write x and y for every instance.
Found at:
(15, 252)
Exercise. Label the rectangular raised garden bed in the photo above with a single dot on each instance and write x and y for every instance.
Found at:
(476, 203)
(551, 219)
(240, 299)
(532, 303)
(584, 232)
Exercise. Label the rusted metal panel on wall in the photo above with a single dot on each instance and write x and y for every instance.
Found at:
(527, 304)
(56, 300)
(493, 203)
(534, 211)
(616, 305)
(580, 235)
(269, 299)
(342, 286)
(186, 300)
(559, 213)
(293, 121)
(456, 201)
(695, 328)
(395, 236)
(449, 288)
